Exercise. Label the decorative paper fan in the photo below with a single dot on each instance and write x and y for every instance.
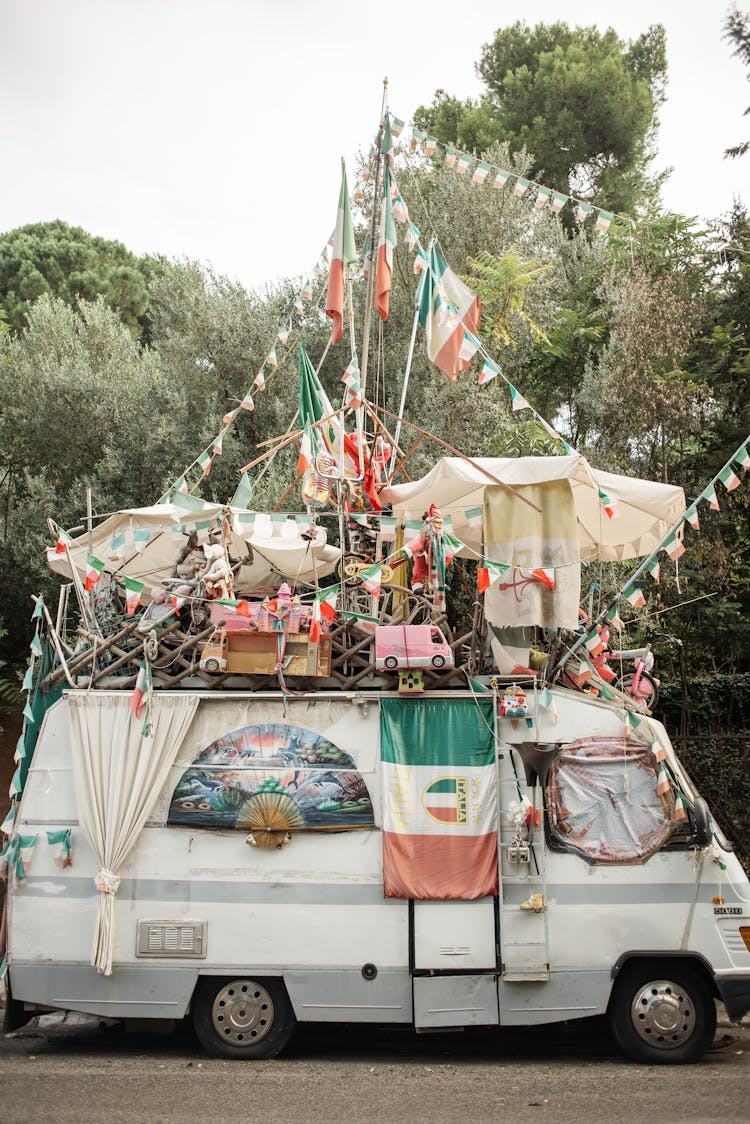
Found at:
(269, 816)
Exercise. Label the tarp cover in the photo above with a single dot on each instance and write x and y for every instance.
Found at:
(278, 549)
(602, 801)
(647, 510)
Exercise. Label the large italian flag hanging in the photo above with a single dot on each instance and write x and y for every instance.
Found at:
(386, 244)
(344, 253)
(447, 310)
(440, 799)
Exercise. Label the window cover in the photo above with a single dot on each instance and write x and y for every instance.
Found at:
(602, 801)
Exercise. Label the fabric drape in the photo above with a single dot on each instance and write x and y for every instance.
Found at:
(118, 774)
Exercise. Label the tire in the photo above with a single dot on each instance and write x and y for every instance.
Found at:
(242, 1018)
(211, 665)
(648, 692)
(391, 663)
(662, 1013)
(438, 661)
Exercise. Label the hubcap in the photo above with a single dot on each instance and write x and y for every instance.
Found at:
(663, 1014)
(242, 1012)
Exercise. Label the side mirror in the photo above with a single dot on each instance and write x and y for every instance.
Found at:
(702, 825)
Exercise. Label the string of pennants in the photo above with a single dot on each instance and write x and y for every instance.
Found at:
(672, 544)
(483, 172)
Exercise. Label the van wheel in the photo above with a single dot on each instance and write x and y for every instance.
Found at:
(662, 1014)
(242, 1018)
(438, 661)
(211, 665)
(390, 662)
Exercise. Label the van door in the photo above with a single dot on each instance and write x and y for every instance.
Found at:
(454, 952)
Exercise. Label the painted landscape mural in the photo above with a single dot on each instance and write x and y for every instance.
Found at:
(274, 777)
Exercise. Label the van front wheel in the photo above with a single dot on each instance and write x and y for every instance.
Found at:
(242, 1018)
(662, 1014)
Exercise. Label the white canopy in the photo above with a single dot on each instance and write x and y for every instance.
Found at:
(647, 510)
(278, 549)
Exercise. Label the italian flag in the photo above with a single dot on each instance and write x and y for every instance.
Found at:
(386, 244)
(324, 606)
(542, 195)
(610, 506)
(439, 799)
(729, 478)
(305, 458)
(271, 358)
(604, 221)
(450, 156)
(464, 163)
(558, 201)
(94, 567)
(520, 186)
(583, 210)
(635, 596)
(451, 547)
(133, 591)
(743, 458)
(501, 179)
(430, 146)
(480, 173)
(344, 253)
(674, 547)
(439, 286)
(204, 461)
(489, 573)
(63, 541)
(691, 516)
(709, 494)
(488, 372)
(372, 578)
(654, 569)
(545, 575)
(140, 692)
(517, 400)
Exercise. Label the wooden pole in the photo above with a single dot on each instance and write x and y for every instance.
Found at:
(457, 453)
(373, 245)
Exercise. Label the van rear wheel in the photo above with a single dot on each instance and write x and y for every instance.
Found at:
(662, 1014)
(242, 1018)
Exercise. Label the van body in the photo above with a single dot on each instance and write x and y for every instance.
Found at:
(638, 917)
(411, 646)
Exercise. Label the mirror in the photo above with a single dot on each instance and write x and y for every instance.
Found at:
(702, 825)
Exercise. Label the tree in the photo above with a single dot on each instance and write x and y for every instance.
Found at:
(67, 262)
(583, 102)
(737, 33)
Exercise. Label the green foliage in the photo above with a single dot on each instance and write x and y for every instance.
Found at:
(502, 284)
(737, 34)
(64, 261)
(584, 102)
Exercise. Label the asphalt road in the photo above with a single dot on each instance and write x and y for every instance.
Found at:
(571, 1074)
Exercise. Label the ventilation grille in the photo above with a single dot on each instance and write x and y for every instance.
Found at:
(172, 938)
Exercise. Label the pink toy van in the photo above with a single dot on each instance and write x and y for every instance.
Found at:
(411, 646)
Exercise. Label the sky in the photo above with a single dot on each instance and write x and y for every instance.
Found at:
(213, 129)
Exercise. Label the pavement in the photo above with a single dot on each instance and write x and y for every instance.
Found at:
(82, 1069)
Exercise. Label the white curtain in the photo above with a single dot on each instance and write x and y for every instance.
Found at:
(118, 774)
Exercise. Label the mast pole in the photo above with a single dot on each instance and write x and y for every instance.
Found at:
(373, 246)
(409, 358)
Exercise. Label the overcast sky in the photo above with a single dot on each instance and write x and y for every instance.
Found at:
(212, 129)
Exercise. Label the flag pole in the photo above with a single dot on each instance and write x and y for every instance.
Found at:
(373, 245)
(409, 358)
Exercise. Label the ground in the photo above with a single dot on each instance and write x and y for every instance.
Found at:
(84, 1073)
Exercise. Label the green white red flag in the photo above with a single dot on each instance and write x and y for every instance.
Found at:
(204, 461)
(440, 799)
(133, 591)
(634, 594)
(481, 172)
(501, 178)
(344, 253)
(674, 547)
(438, 286)
(709, 495)
(386, 245)
(372, 578)
(63, 541)
(306, 455)
(743, 458)
(489, 573)
(94, 567)
(729, 478)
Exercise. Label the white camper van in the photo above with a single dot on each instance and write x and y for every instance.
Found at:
(365, 857)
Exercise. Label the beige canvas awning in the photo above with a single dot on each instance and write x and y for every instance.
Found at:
(278, 549)
(647, 510)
